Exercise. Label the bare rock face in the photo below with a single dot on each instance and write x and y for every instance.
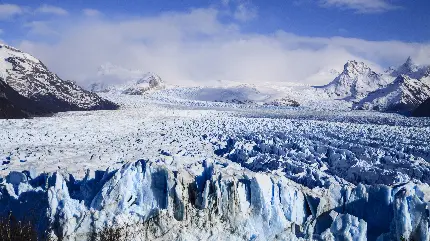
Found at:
(423, 110)
(8, 108)
(31, 79)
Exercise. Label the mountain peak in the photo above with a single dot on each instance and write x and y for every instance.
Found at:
(410, 64)
(353, 67)
(117, 79)
(409, 68)
(356, 80)
(409, 61)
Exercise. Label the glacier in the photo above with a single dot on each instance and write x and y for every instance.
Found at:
(176, 164)
(206, 200)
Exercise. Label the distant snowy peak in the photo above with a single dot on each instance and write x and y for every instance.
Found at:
(355, 81)
(32, 79)
(149, 81)
(404, 94)
(411, 69)
(116, 79)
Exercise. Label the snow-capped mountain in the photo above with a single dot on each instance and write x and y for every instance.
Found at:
(409, 89)
(31, 78)
(404, 94)
(411, 69)
(116, 79)
(355, 82)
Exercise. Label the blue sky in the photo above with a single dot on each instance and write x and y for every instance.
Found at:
(279, 32)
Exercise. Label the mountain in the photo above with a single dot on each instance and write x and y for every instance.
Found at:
(411, 69)
(116, 79)
(15, 106)
(30, 78)
(8, 110)
(355, 82)
(404, 94)
(423, 110)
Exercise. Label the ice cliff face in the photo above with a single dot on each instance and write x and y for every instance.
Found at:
(208, 201)
(355, 82)
(31, 78)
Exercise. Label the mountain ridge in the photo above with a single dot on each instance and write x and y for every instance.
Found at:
(31, 79)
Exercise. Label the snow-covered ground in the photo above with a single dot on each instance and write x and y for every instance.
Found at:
(324, 156)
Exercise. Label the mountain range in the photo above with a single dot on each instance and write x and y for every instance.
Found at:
(397, 89)
(28, 88)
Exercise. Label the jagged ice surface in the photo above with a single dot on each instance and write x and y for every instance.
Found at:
(219, 172)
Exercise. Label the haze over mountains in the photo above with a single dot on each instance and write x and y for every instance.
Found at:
(279, 160)
(398, 89)
(115, 79)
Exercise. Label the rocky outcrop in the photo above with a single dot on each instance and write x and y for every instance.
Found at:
(423, 110)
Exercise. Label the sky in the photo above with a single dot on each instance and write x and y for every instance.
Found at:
(205, 40)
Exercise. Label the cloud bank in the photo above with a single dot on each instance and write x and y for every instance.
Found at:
(196, 46)
(361, 6)
(48, 9)
(9, 10)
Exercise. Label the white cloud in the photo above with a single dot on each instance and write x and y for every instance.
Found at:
(40, 28)
(48, 9)
(10, 10)
(197, 46)
(245, 11)
(91, 12)
(241, 10)
(361, 6)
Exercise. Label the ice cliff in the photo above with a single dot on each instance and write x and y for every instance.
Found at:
(208, 200)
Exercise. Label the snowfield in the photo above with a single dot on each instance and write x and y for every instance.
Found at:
(192, 164)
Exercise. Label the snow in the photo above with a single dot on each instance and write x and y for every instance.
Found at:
(231, 161)
(356, 81)
(402, 95)
(173, 160)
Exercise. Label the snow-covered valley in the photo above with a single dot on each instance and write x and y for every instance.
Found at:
(171, 165)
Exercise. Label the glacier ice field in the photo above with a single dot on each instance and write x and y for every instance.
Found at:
(165, 168)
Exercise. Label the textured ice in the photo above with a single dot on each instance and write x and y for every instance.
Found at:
(212, 171)
(153, 200)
